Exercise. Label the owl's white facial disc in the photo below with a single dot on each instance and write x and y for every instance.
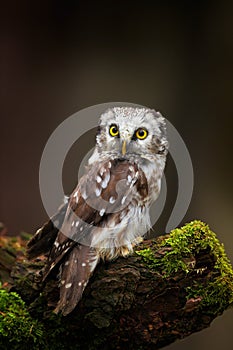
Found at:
(128, 120)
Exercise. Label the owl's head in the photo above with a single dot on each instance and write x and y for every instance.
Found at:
(127, 131)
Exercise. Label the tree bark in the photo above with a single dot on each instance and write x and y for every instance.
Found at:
(171, 287)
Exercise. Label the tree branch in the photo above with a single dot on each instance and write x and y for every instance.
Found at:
(171, 287)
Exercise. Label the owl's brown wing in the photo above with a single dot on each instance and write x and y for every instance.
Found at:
(100, 197)
(45, 236)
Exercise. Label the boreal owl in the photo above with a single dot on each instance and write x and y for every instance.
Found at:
(108, 211)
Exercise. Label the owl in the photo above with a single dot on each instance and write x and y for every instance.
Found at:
(108, 212)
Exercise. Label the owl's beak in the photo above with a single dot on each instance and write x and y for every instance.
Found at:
(123, 149)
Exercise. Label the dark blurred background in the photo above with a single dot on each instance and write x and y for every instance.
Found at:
(58, 57)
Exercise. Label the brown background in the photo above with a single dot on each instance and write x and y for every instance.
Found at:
(58, 57)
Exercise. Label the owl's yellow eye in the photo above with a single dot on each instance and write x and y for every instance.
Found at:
(113, 130)
(141, 133)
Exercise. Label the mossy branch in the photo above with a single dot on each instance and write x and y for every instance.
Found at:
(170, 287)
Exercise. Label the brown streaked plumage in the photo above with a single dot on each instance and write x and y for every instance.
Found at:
(108, 211)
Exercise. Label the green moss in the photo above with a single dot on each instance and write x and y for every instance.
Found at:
(177, 253)
(16, 325)
(18, 330)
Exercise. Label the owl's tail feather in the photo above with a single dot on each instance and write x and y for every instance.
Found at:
(42, 242)
(76, 271)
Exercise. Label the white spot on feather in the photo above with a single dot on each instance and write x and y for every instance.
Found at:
(105, 181)
(39, 230)
(112, 200)
(56, 244)
(129, 178)
(98, 179)
(52, 266)
(98, 192)
(102, 170)
(76, 194)
(123, 200)
(84, 264)
(102, 211)
(77, 223)
(68, 285)
(80, 283)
